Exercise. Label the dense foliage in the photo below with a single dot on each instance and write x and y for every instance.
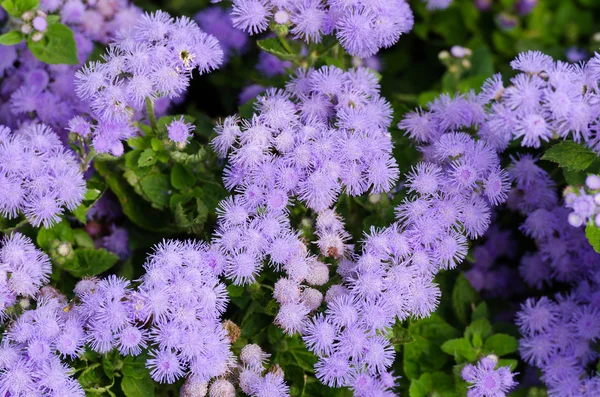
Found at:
(299, 198)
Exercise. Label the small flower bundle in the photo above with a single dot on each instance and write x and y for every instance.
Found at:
(34, 91)
(24, 269)
(547, 99)
(362, 27)
(585, 203)
(37, 176)
(32, 348)
(254, 380)
(154, 59)
(486, 380)
(182, 300)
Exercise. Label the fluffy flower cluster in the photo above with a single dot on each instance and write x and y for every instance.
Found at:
(362, 27)
(486, 380)
(563, 252)
(32, 348)
(450, 199)
(152, 60)
(23, 268)
(326, 133)
(585, 203)
(97, 20)
(37, 176)
(252, 378)
(547, 99)
(109, 316)
(182, 299)
(32, 90)
(559, 333)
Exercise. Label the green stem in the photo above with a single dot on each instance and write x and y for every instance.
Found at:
(87, 160)
(285, 44)
(151, 115)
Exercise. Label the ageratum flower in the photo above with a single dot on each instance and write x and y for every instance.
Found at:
(24, 268)
(361, 27)
(487, 381)
(154, 59)
(38, 177)
(33, 347)
(546, 99)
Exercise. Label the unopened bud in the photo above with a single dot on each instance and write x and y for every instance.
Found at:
(37, 36)
(27, 16)
(26, 28)
(443, 55)
(466, 64)
(281, 17)
(222, 388)
(193, 388)
(233, 330)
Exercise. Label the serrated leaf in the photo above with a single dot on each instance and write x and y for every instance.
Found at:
(480, 328)
(273, 46)
(11, 38)
(464, 297)
(157, 188)
(134, 387)
(56, 47)
(461, 347)
(400, 336)
(147, 158)
(62, 231)
(90, 262)
(592, 232)
(500, 345)
(181, 177)
(570, 155)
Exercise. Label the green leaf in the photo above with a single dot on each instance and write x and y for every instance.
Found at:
(182, 178)
(93, 377)
(508, 362)
(90, 262)
(82, 239)
(61, 231)
(464, 297)
(481, 311)
(478, 330)
(16, 8)
(134, 207)
(157, 188)
(400, 336)
(436, 384)
(147, 158)
(135, 367)
(273, 46)
(11, 38)
(592, 232)
(57, 47)
(500, 345)
(570, 155)
(133, 387)
(461, 347)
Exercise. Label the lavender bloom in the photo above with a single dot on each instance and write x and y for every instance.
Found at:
(34, 91)
(32, 348)
(37, 176)
(182, 298)
(24, 269)
(548, 98)
(152, 60)
(486, 380)
(361, 27)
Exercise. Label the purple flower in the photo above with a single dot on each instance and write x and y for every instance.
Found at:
(486, 381)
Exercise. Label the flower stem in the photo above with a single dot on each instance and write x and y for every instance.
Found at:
(151, 115)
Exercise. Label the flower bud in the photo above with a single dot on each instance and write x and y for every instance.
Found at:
(27, 16)
(26, 28)
(37, 36)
